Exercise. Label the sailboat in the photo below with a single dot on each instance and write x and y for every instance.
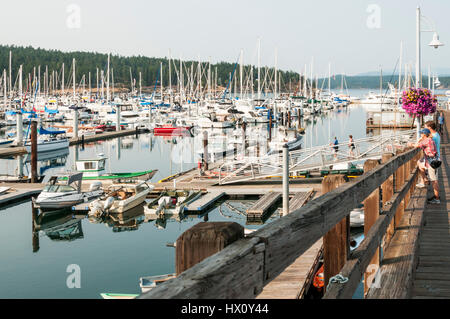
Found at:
(49, 140)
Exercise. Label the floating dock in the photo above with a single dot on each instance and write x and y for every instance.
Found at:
(263, 205)
(299, 199)
(205, 202)
(19, 192)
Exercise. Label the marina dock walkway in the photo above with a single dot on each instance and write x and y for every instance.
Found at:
(432, 275)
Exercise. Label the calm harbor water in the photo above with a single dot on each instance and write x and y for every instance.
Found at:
(113, 255)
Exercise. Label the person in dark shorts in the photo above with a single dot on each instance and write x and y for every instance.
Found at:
(351, 146)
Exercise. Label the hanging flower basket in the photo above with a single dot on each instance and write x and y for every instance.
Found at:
(418, 102)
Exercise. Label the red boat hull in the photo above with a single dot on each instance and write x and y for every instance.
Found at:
(171, 130)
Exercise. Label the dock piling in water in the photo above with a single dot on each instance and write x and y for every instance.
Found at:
(285, 180)
(203, 240)
(34, 177)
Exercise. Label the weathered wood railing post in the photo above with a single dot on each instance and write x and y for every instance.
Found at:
(336, 246)
(371, 214)
(408, 167)
(203, 240)
(399, 180)
(387, 190)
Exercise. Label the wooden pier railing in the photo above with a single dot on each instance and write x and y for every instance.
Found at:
(242, 269)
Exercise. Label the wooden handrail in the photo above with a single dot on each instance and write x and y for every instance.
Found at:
(242, 269)
(360, 258)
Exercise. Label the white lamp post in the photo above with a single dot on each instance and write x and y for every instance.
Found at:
(434, 43)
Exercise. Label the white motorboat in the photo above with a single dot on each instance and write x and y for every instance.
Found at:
(64, 190)
(170, 204)
(150, 282)
(357, 217)
(119, 198)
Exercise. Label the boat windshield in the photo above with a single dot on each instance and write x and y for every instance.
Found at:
(58, 189)
(51, 188)
(141, 188)
(65, 189)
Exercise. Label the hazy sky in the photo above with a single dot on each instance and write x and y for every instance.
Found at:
(346, 33)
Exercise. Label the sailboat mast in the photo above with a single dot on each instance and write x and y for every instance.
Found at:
(329, 78)
(62, 79)
(259, 68)
(275, 86)
(107, 81)
(20, 81)
(241, 73)
(10, 75)
(74, 79)
(161, 79)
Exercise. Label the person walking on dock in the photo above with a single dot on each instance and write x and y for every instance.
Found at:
(431, 125)
(429, 148)
(441, 123)
(351, 146)
(335, 147)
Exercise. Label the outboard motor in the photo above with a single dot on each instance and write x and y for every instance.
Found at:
(108, 203)
(95, 186)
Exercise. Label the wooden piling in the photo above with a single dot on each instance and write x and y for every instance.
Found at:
(203, 240)
(34, 177)
(205, 150)
(371, 214)
(34, 233)
(336, 241)
(270, 125)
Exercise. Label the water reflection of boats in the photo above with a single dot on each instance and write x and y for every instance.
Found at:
(59, 225)
(126, 221)
(49, 155)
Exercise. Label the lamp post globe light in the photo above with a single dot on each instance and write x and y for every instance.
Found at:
(434, 43)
